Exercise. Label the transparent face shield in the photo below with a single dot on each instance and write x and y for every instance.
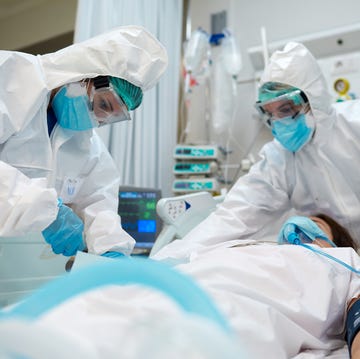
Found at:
(80, 106)
(289, 105)
(106, 105)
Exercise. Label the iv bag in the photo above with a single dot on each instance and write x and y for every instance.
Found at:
(222, 103)
(224, 84)
(196, 57)
(196, 50)
(231, 54)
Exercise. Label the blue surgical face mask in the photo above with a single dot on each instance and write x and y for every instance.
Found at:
(72, 108)
(292, 133)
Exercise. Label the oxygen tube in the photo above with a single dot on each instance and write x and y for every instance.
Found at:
(331, 257)
(294, 236)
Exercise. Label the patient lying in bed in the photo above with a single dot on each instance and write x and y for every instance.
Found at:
(282, 301)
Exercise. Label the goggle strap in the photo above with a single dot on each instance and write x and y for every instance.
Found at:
(101, 81)
(304, 97)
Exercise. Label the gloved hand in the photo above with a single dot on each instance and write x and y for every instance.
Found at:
(65, 234)
(112, 254)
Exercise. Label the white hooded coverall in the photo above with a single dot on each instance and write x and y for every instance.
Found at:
(73, 165)
(323, 177)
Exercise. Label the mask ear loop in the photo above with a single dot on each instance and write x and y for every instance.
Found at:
(85, 83)
(89, 91)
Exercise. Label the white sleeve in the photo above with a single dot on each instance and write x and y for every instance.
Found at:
(26, 205)
(254, 208)
(97, 204)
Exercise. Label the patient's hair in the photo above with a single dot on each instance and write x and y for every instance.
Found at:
(342, 237)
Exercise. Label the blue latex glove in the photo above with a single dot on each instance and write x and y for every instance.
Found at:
(112, 254)
(65, 234)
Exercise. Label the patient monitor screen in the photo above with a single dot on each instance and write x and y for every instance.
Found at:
(137, 209)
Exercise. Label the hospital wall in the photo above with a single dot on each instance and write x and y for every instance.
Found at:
(37, 26)
(283, 20)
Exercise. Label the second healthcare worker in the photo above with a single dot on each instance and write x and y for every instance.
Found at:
(57, 177)
(312, 165)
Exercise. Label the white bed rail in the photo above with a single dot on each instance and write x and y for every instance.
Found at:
(180, 214)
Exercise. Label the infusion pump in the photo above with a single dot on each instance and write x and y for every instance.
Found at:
(196, 169)
(196, 152)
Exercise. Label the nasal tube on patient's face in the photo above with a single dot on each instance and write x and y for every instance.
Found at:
(290, 234)
(293, 235)
(299, 229)
(293, 232)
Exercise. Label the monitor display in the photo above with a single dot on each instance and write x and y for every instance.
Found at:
(137, 209)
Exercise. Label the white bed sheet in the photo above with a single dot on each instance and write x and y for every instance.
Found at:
(282, 302)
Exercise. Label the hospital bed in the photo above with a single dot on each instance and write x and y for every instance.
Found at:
(114, 311)
(195, 319)
(123, 319)
(26, 263)
(180, 214)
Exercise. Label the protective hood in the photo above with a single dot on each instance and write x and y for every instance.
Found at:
(128, 52)
(296, 66)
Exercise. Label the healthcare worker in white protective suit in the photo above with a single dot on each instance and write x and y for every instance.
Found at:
(56, 174)
(312, 165)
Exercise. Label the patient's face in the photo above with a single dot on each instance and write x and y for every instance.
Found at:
(325, 228)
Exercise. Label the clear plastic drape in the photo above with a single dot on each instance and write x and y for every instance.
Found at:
(143, 147)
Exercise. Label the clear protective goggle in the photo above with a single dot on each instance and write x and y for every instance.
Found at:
(106, 105)
(289, 105)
